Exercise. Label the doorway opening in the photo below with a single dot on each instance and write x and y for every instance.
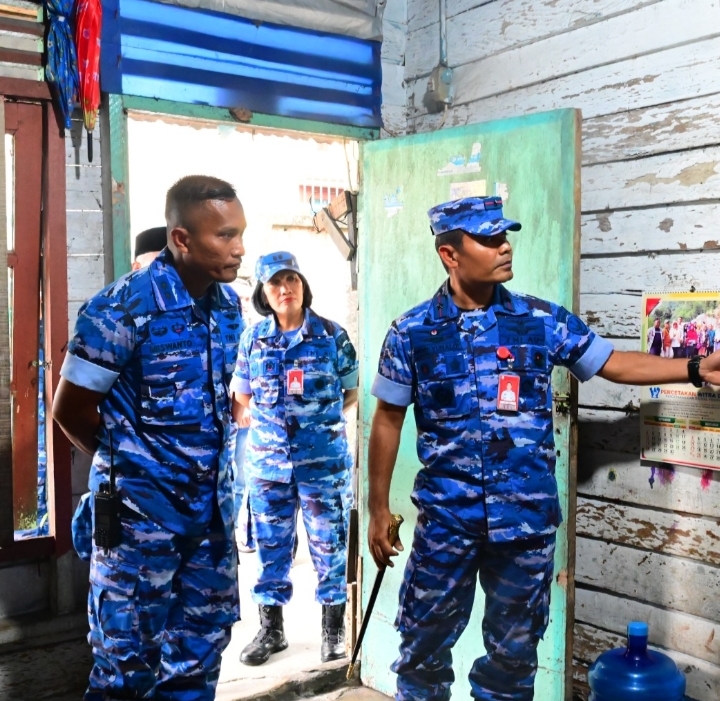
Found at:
(282, 179)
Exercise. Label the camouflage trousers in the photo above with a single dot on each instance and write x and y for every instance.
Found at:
(325, 503)
(161, 607)
(436, 600)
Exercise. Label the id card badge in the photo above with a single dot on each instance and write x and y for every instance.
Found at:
(295, 381)
(508, 392)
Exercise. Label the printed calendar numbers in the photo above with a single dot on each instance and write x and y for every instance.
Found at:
(680, 445)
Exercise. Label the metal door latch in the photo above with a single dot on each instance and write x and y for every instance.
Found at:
(562, 404)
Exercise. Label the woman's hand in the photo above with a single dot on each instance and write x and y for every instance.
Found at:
(243, 421)
(241, 409)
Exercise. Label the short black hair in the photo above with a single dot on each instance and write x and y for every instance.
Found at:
(262, 307)
(454, 238)
(151, 240)
(193, 190)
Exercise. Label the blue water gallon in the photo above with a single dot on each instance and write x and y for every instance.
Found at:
(635, 673)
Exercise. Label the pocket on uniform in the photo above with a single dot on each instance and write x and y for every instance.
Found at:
(320, 386)
(403, 619)
(265, 372)
(171, 404)
(113, 586)
(445, 389)
(449, 399)
(534, 391)
(82, 527)
(265, 390)
(531, 364)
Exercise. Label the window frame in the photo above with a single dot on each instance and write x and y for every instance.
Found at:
(54, 275)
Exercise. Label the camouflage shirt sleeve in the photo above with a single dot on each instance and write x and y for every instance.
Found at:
(576, 347)
(347, 360)
(394, 380)
(240, 383)
(102, 345)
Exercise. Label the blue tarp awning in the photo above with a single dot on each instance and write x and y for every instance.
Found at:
(161, 51)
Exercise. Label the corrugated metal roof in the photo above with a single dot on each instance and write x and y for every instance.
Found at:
(173, 53)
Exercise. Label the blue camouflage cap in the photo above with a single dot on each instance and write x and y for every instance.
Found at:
(477, 216)
(272, 263)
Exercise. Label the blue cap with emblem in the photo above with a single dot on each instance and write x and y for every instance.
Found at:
(272, 263)
(477, 216)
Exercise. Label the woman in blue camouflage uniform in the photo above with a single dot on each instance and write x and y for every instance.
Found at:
(296, 374)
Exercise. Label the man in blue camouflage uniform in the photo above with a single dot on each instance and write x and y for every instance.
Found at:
(148, 245)
(301, 372)
(476, 360)
(149, 367)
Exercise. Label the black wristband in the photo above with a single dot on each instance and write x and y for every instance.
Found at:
(694, 371)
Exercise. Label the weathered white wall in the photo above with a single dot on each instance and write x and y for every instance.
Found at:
(87, 275)
(394, 99)
(645, 75)
(86, 265)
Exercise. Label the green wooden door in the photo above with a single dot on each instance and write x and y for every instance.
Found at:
(533, 162)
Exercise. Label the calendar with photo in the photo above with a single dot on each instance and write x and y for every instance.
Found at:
(680, 423)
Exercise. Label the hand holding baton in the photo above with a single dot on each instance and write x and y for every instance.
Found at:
(393, 534)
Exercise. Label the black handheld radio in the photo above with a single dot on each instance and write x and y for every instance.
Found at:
(107, 509)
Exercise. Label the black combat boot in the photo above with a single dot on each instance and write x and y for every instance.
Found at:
(333, 632)
(270, 637)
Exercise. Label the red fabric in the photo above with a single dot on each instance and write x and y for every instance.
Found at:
(88, 22)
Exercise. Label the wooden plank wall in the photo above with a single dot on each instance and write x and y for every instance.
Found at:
(21, 40)
(645, 74)
(394, 100)
(86, 274)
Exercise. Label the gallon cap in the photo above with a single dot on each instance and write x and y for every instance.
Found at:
(638, 629)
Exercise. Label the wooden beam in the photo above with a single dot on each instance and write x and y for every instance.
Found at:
(32, 89)
(22, 57)
(27, 188)
(31, 549)
(692, 587)
(119, 171)
(56, 328)
(341, 205)
(7, 525)
(22, 26)
(692, 537)
(612, 476)
(353, 239)
(30, 13)
(669, 178)
(326, 223)
(690, 227)
(254, 119)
